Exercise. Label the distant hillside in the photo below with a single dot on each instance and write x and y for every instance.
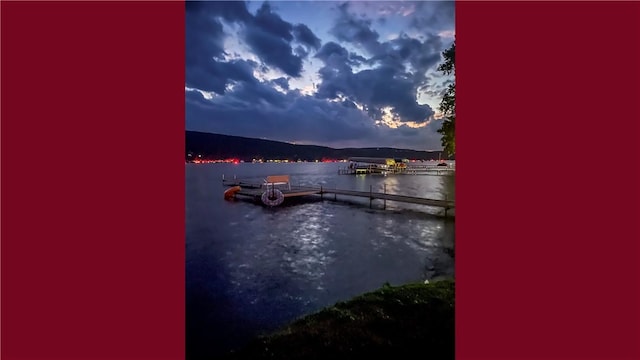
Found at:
(217, 146)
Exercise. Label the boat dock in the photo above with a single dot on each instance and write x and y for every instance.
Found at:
(410, 170)
(388, 166)
(273, 196)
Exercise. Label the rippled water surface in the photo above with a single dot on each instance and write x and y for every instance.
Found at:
(251, 269)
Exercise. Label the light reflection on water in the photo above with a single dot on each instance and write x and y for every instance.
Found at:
(251, 269)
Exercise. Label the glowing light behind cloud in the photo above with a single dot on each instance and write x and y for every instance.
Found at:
(393, 121)
(257, 86)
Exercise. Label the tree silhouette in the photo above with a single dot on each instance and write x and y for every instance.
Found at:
(448, 103)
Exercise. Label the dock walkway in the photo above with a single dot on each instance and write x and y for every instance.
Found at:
(255, 190)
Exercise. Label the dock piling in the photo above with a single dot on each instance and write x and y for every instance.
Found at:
(385, 199)
(446, 207)
(370, 196)
(321, 193)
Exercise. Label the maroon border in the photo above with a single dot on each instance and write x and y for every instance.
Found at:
(548, 180)
(92, 180)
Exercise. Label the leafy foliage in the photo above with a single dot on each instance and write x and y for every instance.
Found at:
(448, 103)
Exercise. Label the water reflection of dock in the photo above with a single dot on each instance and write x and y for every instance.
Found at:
(259, 191)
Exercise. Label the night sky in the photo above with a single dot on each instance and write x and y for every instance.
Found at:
(354, 74)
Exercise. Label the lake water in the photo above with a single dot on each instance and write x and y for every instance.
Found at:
(251, 269)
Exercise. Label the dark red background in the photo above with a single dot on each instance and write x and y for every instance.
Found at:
(548, 180)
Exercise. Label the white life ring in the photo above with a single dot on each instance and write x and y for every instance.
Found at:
(272, 197)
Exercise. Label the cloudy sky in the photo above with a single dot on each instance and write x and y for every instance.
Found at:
(340, 74)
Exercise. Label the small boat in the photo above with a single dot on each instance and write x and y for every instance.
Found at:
(230, 193)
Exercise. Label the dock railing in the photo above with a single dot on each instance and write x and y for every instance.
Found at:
(255, 189)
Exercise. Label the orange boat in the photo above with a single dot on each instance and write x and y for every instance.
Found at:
(230, 193)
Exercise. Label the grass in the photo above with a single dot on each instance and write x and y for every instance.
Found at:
(391, 321)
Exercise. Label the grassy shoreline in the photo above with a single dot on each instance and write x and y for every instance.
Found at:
(393, 320)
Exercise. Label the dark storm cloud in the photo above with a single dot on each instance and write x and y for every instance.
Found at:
(329, 49)
(349, 28)
(215, 75)
(247, 106)
(271, 38)
(416, 138)
(273, 50)
(272, 23)
(203, 42)
(400, 65)
(204, 37)
(382, 87)
(408, 131)
(240, 70)
(258, 95)
(269, 113)
(268, 36)
(259, 111)
(336, 74)
(434, 15)
(228, 10)
(357, 59)
(204, 50)
(385, 86)
(421, 55)
(375, 89)
(305, 36)
(338, 58)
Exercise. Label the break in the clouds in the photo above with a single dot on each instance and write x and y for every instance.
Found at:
(357, 74)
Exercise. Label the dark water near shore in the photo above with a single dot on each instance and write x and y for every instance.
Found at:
(251, 269)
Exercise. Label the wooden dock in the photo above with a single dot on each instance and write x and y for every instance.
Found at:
(296, 191)
(255, 190)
